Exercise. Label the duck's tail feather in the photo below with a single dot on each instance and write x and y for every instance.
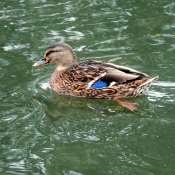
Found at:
(144, 86)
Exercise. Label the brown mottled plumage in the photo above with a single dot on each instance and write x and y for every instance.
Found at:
(76, 79)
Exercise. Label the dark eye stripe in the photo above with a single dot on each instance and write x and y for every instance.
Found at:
(51, 51)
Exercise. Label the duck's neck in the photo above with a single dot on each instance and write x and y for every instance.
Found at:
(61, 68)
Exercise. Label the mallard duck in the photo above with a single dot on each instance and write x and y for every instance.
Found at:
(93, 79)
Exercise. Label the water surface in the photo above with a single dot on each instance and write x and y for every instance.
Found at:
(42, 132)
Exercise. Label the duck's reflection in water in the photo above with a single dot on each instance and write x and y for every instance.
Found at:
(59, 107)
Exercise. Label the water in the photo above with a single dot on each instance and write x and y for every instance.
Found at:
(42, 132)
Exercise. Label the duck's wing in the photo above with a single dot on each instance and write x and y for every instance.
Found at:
(121, 74)
(106, 74)
(85, 74)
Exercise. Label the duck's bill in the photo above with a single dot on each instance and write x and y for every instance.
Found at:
(40, 63)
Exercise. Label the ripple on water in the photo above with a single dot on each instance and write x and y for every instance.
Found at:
(15, 47)
(165, 91)
(170, 9)
(40, 83)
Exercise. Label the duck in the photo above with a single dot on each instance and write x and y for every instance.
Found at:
(93, 78)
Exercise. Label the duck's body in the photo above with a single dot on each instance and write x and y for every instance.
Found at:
(95, 79)
(92, 79)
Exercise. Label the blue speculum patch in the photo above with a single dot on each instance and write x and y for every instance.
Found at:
(99, 84)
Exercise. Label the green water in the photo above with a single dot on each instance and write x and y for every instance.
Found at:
(42, 132)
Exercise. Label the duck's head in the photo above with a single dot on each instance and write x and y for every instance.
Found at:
(60, 54)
